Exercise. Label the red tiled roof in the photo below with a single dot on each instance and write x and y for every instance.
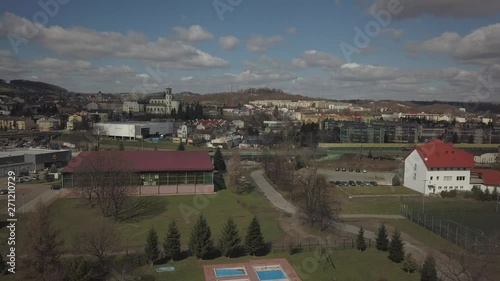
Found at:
(490, 177)
(438, 154)
(139, 161)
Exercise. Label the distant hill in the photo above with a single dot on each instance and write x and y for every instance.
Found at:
(244, 96)
(27, 86)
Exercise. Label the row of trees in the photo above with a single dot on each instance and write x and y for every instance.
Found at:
(188, 111)
(201, 243)
(480, 195)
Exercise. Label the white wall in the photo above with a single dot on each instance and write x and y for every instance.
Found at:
(415, 165)
(119, 130)
(161, 127)
(487, 158)
(439, 176)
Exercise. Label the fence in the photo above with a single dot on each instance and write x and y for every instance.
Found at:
(311, 244)
(469, 239)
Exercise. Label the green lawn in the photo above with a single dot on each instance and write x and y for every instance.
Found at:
(74, 216)
(371, 205)
(378, 190)
(349, 265)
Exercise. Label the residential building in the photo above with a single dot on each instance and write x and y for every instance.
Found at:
(135, 130)
(486, 158)
(73, 120)
(17, 123)
(184, 131)
(48, 124)
(133, 107)
(151, 172)
(437, 166)
(485, 179)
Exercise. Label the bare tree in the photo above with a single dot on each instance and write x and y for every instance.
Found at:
(234, 170)
(316, 201)
(106, 180)
(464, 266)
(99, 241)
(41, 248)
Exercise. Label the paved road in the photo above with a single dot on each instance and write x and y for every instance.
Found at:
(281, 203)
(32, 194)
(382, 178)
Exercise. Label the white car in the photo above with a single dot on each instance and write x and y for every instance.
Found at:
(364, 171)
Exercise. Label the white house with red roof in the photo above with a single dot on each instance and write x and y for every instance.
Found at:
(485, 179)
(437, 166)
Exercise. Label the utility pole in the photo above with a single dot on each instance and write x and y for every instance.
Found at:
(423, 197)
(498, 197)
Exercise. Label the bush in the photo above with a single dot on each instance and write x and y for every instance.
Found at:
(396, 181)
(131, 262)
(294, 248)
(449, 194)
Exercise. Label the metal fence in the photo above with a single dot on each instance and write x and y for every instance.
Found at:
(311, 244)
(465, 237)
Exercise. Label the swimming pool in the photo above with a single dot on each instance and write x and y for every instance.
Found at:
(227, 272)
(270, 273)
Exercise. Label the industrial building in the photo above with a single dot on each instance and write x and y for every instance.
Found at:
(150, 172)
(32, 160)
(135, 130)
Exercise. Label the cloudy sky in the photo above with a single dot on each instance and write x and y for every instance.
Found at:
(338, 49)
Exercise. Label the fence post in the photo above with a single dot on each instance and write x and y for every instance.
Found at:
(456, 234)
(432, 223)
(344, 243)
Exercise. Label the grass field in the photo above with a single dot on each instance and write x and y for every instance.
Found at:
(397, 145)
(349, 265)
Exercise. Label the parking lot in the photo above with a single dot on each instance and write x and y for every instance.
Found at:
(381, 178)
(25, 193)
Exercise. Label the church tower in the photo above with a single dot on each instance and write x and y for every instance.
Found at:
(168, 100)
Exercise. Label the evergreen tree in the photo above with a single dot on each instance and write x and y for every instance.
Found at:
(121, 146)
(3, 265)
(254, 240)
(429, 272)
(230, 238)
(151, 249)
(409, 263)
(494, 194)
(487, 195)
(79, 270)
(382, 240)
(181, 146)
(360, 241)
(396, 248)
(219, 163)
(200, 242)
(172, 244)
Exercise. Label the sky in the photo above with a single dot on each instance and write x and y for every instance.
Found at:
(337, 49)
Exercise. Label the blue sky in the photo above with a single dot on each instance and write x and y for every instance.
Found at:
(428, 49)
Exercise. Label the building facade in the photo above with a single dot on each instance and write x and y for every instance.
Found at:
(17, 123)
(150, 172)
(437, 166)
(163, 105)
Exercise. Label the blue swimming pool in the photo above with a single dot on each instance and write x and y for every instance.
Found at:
(226, 272)
(269, 275)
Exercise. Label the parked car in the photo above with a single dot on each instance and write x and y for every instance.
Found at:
(337, 169)
(360, 183)
(55, 187)
(367, 183)
(343, 169)
(352, 183)
(358, 170)
(374, 183)
(4, 191)
(364, 171)
(351, 170)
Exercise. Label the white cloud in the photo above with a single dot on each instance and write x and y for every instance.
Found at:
(84, 43)
(481, 46)
(441, 8)
(393, 33)
(259, 43)
(186, 78)
(194, 33)
(314, 58)
(229, 42)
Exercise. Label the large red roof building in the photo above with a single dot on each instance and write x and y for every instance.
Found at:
(153, 172)
(438, 166)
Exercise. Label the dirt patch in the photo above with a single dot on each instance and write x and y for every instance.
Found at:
(355, 161)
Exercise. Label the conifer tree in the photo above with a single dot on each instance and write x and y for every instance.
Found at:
(121, 146)
(396, 248)
(254, 240)
(382, 240)
(429, 272)
(181, 146)
(494, 194)
(360, 241)
(219, 163)
(151, 249)
(200, 242)
(172, 243)
(230, 238)
(409, 263)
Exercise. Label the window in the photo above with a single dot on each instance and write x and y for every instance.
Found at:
(415, 167)
(461, 178)
(431, 178)
(414, 176)
(461, 187)
(437, 178)
(445, 187)
(439, 187)
(447, 178)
